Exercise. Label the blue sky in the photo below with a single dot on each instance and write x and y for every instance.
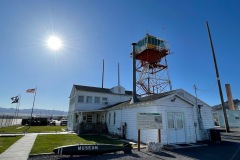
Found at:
(94, 30)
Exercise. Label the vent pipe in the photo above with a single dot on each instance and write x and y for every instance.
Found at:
(229, 95)
(134, 97)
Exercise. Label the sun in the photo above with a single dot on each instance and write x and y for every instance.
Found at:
(54, 43)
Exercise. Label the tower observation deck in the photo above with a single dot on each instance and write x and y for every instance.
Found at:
(151, 66)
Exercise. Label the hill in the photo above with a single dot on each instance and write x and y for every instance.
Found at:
(236, 103)
(44, 112)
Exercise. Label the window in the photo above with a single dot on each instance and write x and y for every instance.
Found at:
(77, 117)
(105, 100)
(102, 119)
(87, 118)
(149, 40)
(236, 117)
(114, 117)
(170, 120)
(84, 118)
(109, 118)
(97, 100)
(158, 42)
(155, 41)
(89, 99)
(81, 99)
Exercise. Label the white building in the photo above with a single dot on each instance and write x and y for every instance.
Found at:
(233, 118)
(184, 119)
(86, 104)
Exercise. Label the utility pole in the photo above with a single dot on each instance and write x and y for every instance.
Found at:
(218, 80)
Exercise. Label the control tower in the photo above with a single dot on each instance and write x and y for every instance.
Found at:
(152, 76)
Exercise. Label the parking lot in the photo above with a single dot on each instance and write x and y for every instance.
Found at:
(228, 148)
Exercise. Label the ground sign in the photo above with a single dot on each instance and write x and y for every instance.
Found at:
(149, 121)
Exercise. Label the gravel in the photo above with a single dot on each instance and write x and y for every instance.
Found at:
(142, 154)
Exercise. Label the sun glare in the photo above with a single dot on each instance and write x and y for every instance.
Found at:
(54, 43)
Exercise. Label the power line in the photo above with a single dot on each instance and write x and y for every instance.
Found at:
(209, 89)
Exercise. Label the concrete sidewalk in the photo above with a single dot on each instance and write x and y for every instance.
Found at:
(20, 150)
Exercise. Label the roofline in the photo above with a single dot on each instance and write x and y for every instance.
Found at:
(195, 97)
(127, 92)
(160, 99)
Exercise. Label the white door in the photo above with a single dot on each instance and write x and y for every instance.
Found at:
(176, 132)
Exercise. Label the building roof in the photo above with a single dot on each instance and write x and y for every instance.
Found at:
(97, 89)
(143, 99)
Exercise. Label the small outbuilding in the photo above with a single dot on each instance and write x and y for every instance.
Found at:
(183, 121)
(233, 118)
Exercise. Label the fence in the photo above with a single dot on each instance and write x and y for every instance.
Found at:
(9, 120)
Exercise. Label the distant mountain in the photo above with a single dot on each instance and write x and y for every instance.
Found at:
(236, 103)
(44, 112)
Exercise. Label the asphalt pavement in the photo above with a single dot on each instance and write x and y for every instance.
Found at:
(227, 149)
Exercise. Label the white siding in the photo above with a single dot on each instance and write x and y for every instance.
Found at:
(185, 105)
(233, 118)
(112, 99)
(129, 114)
(206, 113)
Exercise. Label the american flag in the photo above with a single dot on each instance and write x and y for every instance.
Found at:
(30, 91)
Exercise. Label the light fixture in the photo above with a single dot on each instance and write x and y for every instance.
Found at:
(172, 100)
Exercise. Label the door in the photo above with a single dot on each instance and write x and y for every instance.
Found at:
(176, 132)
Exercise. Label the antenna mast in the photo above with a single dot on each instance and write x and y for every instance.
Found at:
(118, 75)
(103, 73)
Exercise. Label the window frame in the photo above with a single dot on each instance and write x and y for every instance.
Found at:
(82, 99)
(109, 118)
(87, 100)
(114, 118)
(95, 98)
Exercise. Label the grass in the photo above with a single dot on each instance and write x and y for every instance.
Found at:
(6, 142)
(46, 143)
(32, 129)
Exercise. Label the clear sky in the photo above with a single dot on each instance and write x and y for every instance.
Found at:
(93, 30)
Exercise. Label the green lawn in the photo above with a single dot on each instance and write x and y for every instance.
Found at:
(6, 142)
(46, 143)
(32, 129)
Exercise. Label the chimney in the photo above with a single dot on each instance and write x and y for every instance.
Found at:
(134, 97)
(229, 95)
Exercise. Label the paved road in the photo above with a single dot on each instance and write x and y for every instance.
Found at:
(214, 151)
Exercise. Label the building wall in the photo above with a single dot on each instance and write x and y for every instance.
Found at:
(111, 99)
(71, 110)
(129, 115)
(206, 112)
(233, 118)
(75, 107)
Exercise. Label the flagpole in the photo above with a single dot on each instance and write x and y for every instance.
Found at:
(18, 106)
(33, 105)
(14, 115)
